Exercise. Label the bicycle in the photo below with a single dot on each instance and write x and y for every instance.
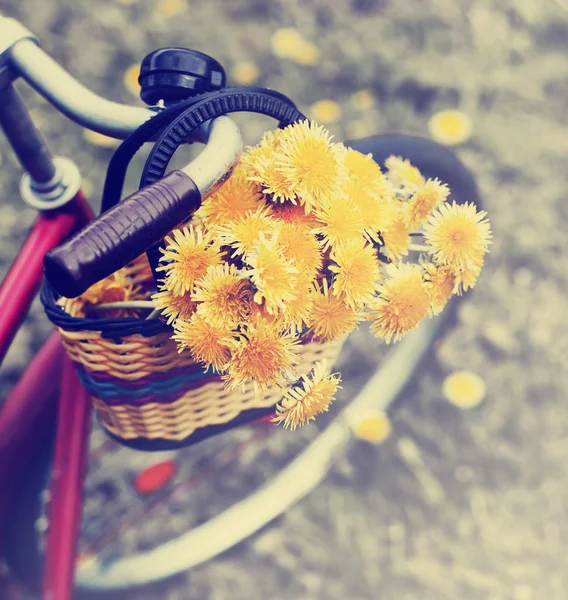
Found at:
(42, 408)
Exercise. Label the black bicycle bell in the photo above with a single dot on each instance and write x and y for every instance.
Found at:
(174, 74)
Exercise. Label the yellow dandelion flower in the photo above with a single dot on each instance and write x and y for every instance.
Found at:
(274, 277)
(285, 41)
(306, 54)
(339, 221)
(464, 389)
(450, 127)
(311, 164)
(363, 99)
(114, 288)
(402, 173)
(188, 255)
(261, 353)
(130, 79)
(458, 234)
(466, 277)
(425, 200)
(441, 283)
(300, 247)
(173, 307)
(171, 8)
(243, 233)
(325, 111)
(275, 185)
(397, 238)
(246, 72)
(330, 317)
(377, 212)
(365, 170)
(208, 344)
(403, 302)
(374, 427)
(234, 199)
(296, 214)
(297, 313)
(357, 272)
(223, 296)
(261, 167)
(310, 396)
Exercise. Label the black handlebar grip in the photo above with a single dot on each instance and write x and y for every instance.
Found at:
(121, 234)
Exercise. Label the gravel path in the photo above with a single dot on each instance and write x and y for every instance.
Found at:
(455, 504)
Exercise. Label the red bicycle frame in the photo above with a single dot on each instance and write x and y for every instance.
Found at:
(30, 410)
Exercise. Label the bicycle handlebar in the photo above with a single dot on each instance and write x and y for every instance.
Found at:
(19, 49)
(129, 228)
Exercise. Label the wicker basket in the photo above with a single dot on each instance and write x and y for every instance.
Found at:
(149, 396)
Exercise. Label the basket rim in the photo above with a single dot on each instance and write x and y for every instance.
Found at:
(108, 327)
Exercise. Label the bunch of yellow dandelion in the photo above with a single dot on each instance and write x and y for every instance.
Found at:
(304, 241)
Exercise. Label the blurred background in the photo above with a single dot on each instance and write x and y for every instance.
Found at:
(462, 493)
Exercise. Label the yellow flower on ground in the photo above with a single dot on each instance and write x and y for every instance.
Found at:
(260, 353)
(188, 254)
(356, 271)
(397, 238)
(310, 396)
(402, 173)
(339, 221)
(311, 164)
(374, 428)
(306, 54)
(274, 277)
(223, 296)
(464, 389)
(243, 233)
(441, 283)
(402, 304)
(363, 99)
(331, 318)
(425, 200)
(130, 79)
(325, 111)
(245, 72)
(173, 307)
(171, 8)
(459, 235)
(234, 199)
(450, 127)
(208, 344)
(301, 248)
(285, 42)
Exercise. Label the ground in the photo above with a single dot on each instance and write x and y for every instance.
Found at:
(465, 504)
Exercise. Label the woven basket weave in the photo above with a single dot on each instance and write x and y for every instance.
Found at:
(144, 390)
